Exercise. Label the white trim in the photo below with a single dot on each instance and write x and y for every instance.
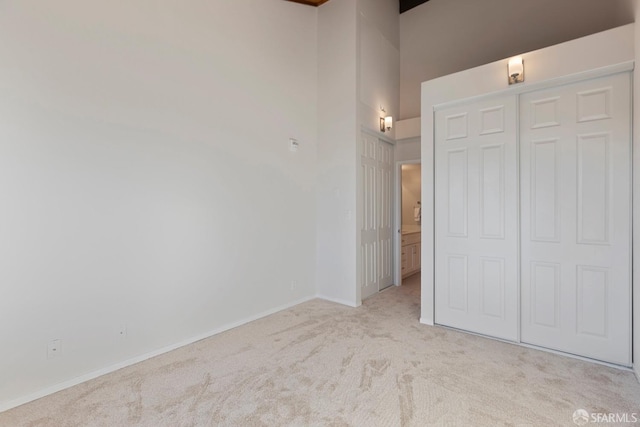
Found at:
(557, 81)
(4, 406)
(338, 301)
(377, 134)
(426, 321)
(410, 139)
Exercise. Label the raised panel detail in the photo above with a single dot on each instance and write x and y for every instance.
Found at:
(492, 287)
(384, 186)
(369, 200)
(457, 282)
(492, 191)
(592, 301)
(457, 126)
(492, 120)
(385, 258)
(457, 192)
(369, 148)
(545, 298)
(544, 113)
(594, 194)
(594, 105)
(369, 263)
(545, 206)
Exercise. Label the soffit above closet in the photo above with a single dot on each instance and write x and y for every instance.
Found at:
(404, 4)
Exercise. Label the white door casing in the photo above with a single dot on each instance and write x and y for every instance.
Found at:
(377, 222)
(476, 217)
(576, 224)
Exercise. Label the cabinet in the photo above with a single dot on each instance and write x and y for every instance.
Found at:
(410, 254)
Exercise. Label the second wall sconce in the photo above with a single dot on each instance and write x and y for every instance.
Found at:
(386, 123)
(515, 70)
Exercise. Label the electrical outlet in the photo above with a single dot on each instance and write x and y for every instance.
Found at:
(53, 349)
(294, 285)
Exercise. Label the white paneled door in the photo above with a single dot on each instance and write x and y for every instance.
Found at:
(576, 225)
(476, 218)
(376, 232)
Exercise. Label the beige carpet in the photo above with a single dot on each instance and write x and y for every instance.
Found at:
(322, 364)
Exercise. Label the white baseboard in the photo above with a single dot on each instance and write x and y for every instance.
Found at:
(338, 301)
(4, 406)
(426, 321)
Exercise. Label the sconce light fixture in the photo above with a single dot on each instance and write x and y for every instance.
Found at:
(386, 123)
(515, 70)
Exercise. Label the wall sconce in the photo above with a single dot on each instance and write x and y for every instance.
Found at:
(386, 123)
(515, 70)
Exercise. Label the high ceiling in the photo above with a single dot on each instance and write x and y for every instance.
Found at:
(410, 4)
(404, 4)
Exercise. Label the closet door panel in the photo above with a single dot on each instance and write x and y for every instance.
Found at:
(476, 218)
(544, 190)
(376, 247)
(370, 200)
(385, 216)
(576, 226)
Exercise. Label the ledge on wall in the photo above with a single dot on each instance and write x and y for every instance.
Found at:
(409, 128)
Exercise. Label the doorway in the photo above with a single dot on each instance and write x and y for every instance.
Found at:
(408, 220)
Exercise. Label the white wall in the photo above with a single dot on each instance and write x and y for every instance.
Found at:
(146, 177)
(358, 72)
(411, 194)
(407, 149)
(378, 62)
(614, 46)
(408, 128)
(378, 87)
(337, 136)
(441, 37)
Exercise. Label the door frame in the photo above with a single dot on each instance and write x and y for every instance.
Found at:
(397, 213)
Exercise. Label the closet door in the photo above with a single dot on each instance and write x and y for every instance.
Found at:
(384, 216)
(377, 224)
(576, 224)
(476, 217)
